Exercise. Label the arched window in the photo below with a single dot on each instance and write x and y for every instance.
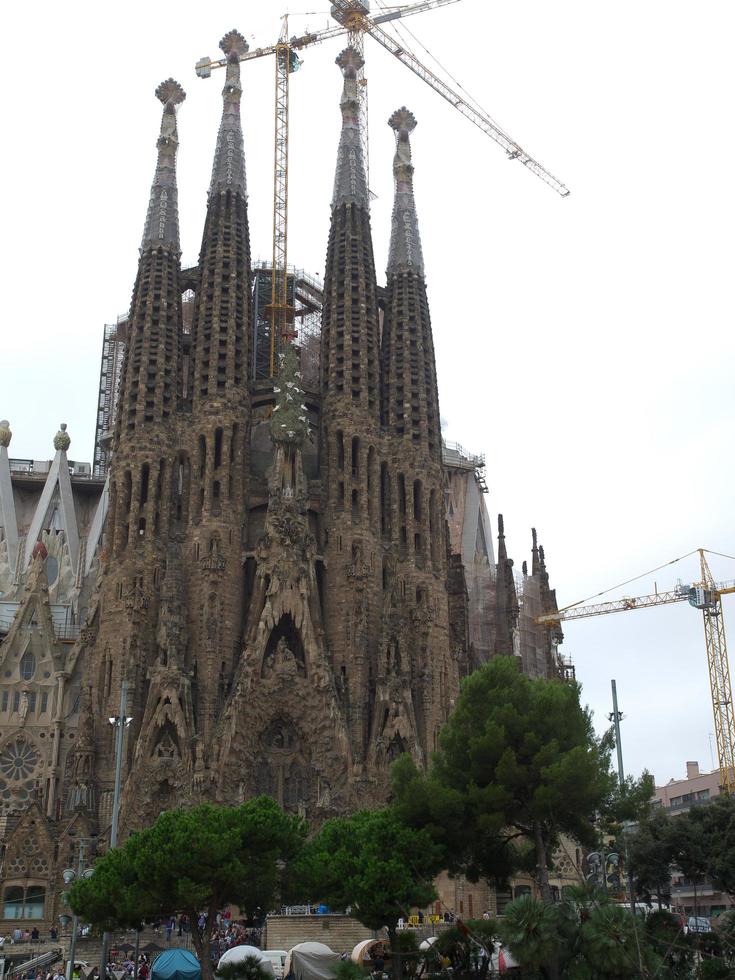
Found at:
(24, 904)
(27, 666)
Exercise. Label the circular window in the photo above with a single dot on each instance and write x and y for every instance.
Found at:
(18, 760)
(27, 666)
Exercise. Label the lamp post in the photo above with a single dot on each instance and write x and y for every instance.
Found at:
(616, 717)
(119, 722)
(69, 875)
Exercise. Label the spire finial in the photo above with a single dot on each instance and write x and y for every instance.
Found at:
(534, 552)
(542, 558)
(62, 439)
(501, 526)
(162, 220)
(228, 170)
(350, 182)
(5, 434)
(405, 253)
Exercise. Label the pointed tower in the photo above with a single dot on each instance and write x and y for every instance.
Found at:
(410, 401)
(216, 457)
(350, 428)
(420, 654)
(145, 470)
(141, 480)
(506, 608)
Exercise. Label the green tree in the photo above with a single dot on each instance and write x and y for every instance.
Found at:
(716, 825)
(520, 764)
(649, 855)
(375, 864)
(589, 938)
(193, 861)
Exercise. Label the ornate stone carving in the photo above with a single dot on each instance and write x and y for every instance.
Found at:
(62, 439)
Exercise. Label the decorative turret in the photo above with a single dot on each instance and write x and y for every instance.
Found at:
(153, 358)
(405, 244)
(228, 170)
(350, 182)
(534, 553)
(506, 612)
(410, 401)
(221, 316)
(350, 371)
(162, 220)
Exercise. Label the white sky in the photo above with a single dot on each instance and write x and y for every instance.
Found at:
(585, 345)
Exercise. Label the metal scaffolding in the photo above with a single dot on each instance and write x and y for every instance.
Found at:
(306, 294)
(113, 355)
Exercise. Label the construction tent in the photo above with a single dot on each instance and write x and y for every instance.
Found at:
(311, 961)
(176, 964)
(240, 953)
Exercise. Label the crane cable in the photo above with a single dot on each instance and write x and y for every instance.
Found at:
(620, 585)
(658, 568)
(470, 98)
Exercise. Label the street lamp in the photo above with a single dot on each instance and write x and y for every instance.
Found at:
(70, 875)
(119, 722)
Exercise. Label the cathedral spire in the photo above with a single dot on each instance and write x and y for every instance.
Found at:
(228, 170)
(409, 394)
(502, 553)
(350, 182)
(405, 243)
(534, 553)
(219, 340)
(162, 220)
(506, 609)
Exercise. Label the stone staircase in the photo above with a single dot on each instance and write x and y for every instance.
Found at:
(339, 932)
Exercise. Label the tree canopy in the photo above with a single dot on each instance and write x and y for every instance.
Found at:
(193, 861)
(518, 763)
(375, 864)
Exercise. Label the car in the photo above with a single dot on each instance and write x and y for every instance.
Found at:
(698, 923)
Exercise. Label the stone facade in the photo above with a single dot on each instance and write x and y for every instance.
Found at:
(292, 581)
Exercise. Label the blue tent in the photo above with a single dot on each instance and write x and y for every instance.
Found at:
(176, 964)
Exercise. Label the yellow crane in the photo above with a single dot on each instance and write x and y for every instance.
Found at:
(707, 596)
(353, 19)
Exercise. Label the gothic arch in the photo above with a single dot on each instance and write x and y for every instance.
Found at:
(284, 651)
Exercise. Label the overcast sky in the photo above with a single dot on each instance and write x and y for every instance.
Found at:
(585, 345)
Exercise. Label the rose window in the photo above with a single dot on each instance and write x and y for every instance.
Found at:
(18, 761)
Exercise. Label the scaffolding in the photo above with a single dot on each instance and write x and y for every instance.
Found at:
(305, 294)
(113, 355)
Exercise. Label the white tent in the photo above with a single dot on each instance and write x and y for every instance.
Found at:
(311, 961)
(361, 952)
(239, 953)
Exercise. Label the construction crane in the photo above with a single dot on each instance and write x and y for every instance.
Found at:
(707, 596)
(353, 19)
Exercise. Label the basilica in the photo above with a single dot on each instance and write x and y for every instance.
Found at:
(288, 573)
